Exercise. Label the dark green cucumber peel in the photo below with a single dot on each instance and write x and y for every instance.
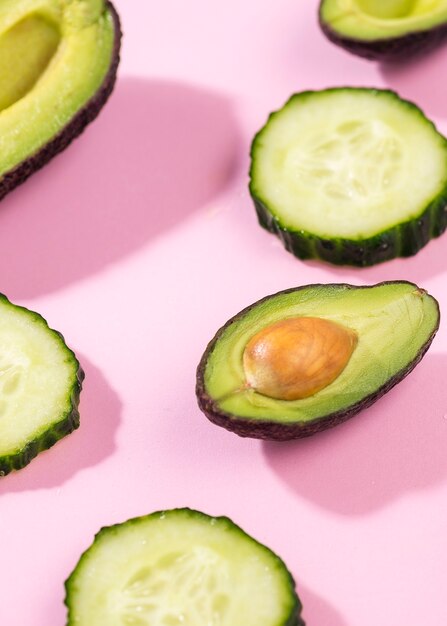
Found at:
(402, 240)
(66, 424)
(277, 431)
(74, 584)
(386, 49)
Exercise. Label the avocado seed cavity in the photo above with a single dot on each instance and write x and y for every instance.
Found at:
(297, 357)
(26, 50)
(387, 9)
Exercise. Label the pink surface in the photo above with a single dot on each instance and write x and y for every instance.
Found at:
(138, 243)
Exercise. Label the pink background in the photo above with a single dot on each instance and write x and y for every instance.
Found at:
(138, 243)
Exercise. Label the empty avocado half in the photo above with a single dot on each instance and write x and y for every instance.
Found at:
(309, 358)
(58, 62)
(385, 30)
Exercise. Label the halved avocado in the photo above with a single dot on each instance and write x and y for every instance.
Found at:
(306, 359)
(58, 63)
(385, 30)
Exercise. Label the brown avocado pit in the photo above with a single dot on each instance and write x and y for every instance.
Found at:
(306, 359)
(297, 357)
(58, 63)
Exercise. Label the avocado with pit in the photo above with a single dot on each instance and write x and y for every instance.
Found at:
(384, 30)
(306, 359)
(58, 63)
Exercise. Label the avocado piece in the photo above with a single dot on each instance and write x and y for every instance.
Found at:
(40, 386)
(384, 30)
(308, 358)
(350, 176)
(180, 567)
(58, 64)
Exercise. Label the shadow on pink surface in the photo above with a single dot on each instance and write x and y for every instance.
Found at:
(395, 447)
(158, 151)
(421, 80)
(316, 611)
(92, 443)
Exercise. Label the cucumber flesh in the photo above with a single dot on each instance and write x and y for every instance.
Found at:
(40, 383)
(348, 164)
(180, 568)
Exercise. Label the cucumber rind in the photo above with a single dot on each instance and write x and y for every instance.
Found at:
(72, 583)
(404, 239)
(62, 425)
(271, 430)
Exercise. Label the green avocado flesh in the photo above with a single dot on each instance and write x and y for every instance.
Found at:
(394, 322)
(350, 175)
(40, 383)
(180, 567)
(54, 57)
(382, 19)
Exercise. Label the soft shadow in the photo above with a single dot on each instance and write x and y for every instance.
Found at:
(395, 447)
(157, 152)
(94, 441)
(421, 79)
(316, 611)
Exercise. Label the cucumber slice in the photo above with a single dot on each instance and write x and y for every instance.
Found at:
(40, 383)
(180, 568)
(351, 176)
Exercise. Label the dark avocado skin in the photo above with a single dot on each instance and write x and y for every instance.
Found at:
(394, 49)
(276, 431)
(15, 177)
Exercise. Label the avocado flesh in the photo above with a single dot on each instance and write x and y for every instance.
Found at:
(55, 58)
(362, 19)
(25, 51)
(395, 323)
(384, 29)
